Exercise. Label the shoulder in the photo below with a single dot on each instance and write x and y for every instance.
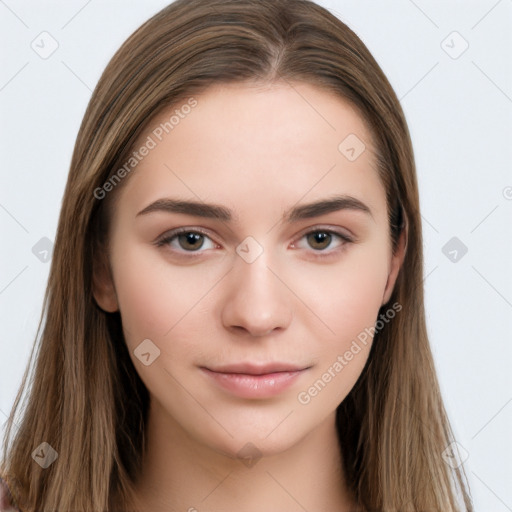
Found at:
(6, 501)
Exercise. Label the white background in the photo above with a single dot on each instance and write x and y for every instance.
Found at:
(459, 112)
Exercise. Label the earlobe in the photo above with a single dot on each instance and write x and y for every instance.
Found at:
(396, 263)
(103, 286)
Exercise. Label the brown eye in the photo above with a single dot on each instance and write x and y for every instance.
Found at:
(186, 241)
(322, 242)
(319, 240)
(191, 241)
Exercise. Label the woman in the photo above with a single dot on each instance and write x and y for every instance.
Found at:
(234, 313)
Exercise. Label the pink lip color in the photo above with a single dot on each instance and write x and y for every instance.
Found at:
(254, 386)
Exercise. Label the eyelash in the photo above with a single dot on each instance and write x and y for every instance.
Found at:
(166, 240)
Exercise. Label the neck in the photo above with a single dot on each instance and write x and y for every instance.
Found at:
(181, 474)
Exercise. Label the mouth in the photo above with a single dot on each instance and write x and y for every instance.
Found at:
(247, 380)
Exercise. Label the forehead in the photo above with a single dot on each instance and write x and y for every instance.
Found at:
(240, 144)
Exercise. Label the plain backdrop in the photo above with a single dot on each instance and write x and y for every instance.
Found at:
(450, 64)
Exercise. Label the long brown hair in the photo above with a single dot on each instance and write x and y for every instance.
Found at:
(86, 399)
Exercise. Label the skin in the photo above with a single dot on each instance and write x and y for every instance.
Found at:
(258, 151)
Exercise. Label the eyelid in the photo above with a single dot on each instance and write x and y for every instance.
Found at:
(347, 236)
(168, 235)
(165, 238)
(329, 253)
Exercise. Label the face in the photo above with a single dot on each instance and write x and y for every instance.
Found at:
(249, 251)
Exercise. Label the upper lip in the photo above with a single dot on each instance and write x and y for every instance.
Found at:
(257, 369)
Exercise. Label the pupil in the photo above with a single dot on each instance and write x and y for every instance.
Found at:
(192, 241)
(319, 240)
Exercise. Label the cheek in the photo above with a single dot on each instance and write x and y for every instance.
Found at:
(346, 297)
(157, 298)
(345, 300)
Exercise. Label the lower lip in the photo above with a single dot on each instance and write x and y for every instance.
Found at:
(254, 386)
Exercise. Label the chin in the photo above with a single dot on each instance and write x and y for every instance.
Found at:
(248, 447)
(260, 437)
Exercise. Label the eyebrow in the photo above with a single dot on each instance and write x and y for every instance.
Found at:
(325, 206)
(214, 211)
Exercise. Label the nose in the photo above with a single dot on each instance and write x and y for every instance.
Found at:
(257, 302)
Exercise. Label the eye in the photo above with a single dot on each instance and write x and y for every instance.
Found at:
(321, 239)
(186, 240)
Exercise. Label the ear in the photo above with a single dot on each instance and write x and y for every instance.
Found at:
(103, 285)
(396, 263)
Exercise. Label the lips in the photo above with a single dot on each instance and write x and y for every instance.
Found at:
(254, 369)
(253, 381)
